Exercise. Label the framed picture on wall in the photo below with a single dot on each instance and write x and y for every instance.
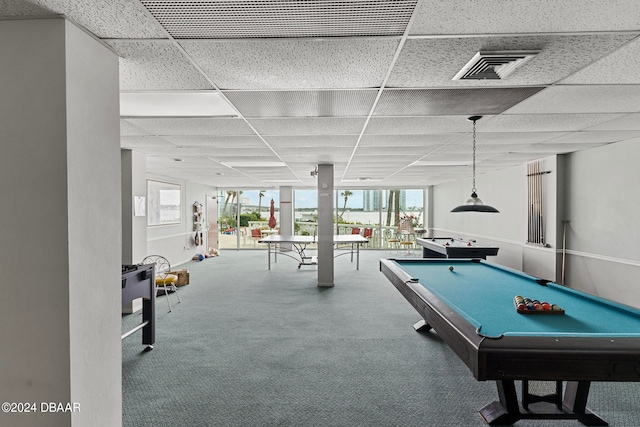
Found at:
(164, 203)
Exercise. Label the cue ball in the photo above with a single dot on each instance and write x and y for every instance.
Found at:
(451, 268)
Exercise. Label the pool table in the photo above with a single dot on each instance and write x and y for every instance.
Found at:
(470, 305)
(448, 247)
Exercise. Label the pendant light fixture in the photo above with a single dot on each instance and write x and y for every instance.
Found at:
(474, 204)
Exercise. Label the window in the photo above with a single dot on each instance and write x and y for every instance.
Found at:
(164, 203)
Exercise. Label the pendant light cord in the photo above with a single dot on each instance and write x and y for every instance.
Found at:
(474, 157)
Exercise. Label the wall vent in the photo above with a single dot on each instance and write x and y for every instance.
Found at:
(494, 65)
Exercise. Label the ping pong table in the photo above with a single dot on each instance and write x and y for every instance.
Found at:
(300, 243)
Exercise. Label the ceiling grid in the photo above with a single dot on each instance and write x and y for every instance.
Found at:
(366, 85)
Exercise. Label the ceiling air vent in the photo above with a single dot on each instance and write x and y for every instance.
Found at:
(494, 65)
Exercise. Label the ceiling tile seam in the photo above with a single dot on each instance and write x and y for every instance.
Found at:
(392, 64)
(257, 40)
(217, 88)
(425, 156)
(608, 53)
(618, 116)
(524, 34)
(137, 127)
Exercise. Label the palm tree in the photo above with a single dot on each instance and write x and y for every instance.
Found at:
(230, 194)
(260, 196)
(396, 218)
(345, 194)
(393, 206)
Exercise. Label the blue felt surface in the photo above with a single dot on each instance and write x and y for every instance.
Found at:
(483, 294)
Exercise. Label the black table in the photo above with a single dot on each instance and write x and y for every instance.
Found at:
(447, 247)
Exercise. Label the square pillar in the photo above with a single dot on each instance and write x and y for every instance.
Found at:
(325, 226)
(60, 234)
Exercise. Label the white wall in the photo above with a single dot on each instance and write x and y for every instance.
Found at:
(60, 245)
(502, 190)
(93, 157)
(595, 190)
(176, 242)
(603, 254)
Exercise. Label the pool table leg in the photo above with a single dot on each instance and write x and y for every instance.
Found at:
(422, 326)
(575, 401)
(508, 410)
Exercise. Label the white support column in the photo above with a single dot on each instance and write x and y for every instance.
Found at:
(286, 213)
(427, 217)
(134, 185)
(325, 226)
(61, 228)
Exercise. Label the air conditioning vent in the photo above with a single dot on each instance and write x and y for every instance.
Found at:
(494, 65)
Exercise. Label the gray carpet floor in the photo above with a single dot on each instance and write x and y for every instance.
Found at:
(255, 347)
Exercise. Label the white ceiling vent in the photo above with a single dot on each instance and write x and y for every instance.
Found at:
(494, 65)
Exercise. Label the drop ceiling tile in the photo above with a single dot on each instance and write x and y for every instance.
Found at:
(188, 162)
(294, 64)
(434, 62)
(149, 142)
(27, 8)
(402, 142)
(510, 138)
(389, 151)
(129, 129)
(438, 102)
(627, 122)
(321, 157)
(524, 16)
(593, 137)
(156, 65)
(417, 125)
(619, 67)
(309, 125)
(242, 142)
(170, 152)
(556, 148)
(303, 103)
(300, 152)
(193, 126)
(227, 152)
(508, 122)
(326, 142)
(501, 160)
(582, 99)
(112, 19)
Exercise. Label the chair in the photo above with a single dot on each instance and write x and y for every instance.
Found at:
(406, 233)
(256, 234)
(393, 241)
(164, 278)
(355, 230)
(367, 233)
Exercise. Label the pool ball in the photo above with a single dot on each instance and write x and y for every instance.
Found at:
(546, 306)
(521, 306)
(451, 268)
